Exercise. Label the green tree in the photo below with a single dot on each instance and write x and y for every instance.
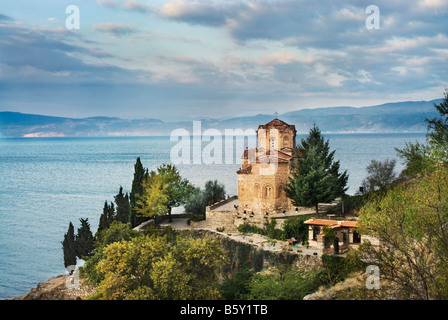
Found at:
(282, 284)
(295, 228)
(107, 217)
(177, 189)
(136, 191)
(200, 199)
(84, 240)
(154, 200)
(196, 204)
(380, 173)
(419, 157)
(416, 158)
(116, 232)
(438, 128)
(316, 178)
(410, 220)
(69, 246)
(123, 206)
(311, 183)
(147, 267)
(214, 191)
(237, 286)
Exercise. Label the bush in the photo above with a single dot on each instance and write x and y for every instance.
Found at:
(282, 284)
(295, 228)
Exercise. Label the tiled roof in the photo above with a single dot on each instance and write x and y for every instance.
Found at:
(278, 124)
(246, 170)
(331, 223)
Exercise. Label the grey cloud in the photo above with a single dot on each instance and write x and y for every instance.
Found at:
(129, 5)
(114, 29)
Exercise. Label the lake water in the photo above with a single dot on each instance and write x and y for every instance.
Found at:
(47, 182)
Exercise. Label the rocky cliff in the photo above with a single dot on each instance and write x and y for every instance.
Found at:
(56, 289)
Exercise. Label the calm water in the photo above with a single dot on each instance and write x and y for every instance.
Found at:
(47, 182)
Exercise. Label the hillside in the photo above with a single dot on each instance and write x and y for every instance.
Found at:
(391, 117)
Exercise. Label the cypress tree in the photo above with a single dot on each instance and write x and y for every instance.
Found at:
(137, 190)
(107, 217)
(84, 240)
(69, 246)
(123, 207)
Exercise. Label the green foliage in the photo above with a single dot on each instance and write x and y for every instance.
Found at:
(69, 246)
(316, 178)
(353, 203)
(295, 228)
(84, 240)
(140, 173)
(176, 188)
(117, 231)
(329, 236)
(200, 199)
(337, 268)
(438, 127)
(153, 201)
(237, 286)
(196, 205)
(214, 192)
(123, 206)
(281, 284)
(411, 221)
(152, 267)
(418, 157)
(380, 173)
(107, 217)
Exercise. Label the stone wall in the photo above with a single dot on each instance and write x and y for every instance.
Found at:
(261, 192)
(245, 254)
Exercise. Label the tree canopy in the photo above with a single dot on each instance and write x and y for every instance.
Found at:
(157, 268)
(316, 178)
(69, 246)
(419, 157)
(411, 221)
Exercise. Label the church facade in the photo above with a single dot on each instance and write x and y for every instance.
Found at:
(266, 169)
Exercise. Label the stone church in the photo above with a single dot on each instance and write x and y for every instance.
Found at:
(266, 169)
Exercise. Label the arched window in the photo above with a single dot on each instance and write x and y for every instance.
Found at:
(267, 191)
(272, 143)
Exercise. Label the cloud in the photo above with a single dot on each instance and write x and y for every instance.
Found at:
(210, 13)
(115, 30)
(129, 5)
(283, 57)
(238, 56)
(4, 17)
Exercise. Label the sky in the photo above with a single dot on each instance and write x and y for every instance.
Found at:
(182, 60)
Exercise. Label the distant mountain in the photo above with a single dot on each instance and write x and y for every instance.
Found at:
(390, 117)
